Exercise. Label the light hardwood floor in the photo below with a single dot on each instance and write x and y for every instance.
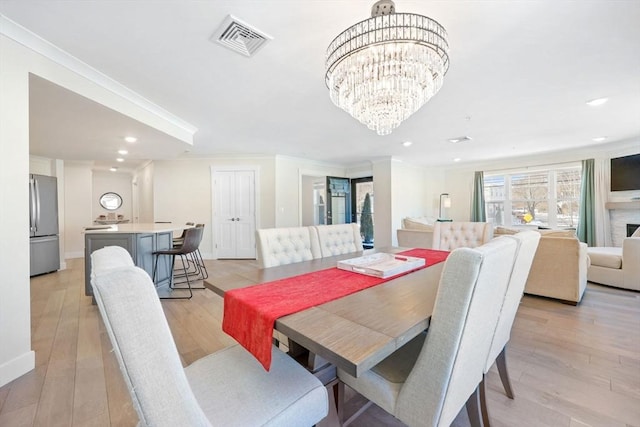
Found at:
(570, 366)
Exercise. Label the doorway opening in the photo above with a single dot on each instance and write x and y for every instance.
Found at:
(362, 202)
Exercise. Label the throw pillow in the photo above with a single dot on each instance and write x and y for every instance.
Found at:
(417, 224)
(636, 233)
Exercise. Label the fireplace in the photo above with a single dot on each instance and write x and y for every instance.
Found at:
(631, 228)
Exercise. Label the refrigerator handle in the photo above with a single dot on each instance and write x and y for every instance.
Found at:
(37, 205)
(32, 216)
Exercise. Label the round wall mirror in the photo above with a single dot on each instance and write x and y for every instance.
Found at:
(110, 201)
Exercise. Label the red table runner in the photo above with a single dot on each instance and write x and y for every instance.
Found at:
(250, 313)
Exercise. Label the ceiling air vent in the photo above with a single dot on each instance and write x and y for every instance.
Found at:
(460, 139)
(240, 36)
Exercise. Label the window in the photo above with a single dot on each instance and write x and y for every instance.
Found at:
(542, 197)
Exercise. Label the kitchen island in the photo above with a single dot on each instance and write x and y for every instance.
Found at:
(140, 239)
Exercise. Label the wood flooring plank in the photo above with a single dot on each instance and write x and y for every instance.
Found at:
(90, 396)
(25, 390)
(56, 402)
(4, 392)
(45, 331)
(121, 411)
(21, 417)
(585, 398)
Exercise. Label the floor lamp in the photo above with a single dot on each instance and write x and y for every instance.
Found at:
(445, 202)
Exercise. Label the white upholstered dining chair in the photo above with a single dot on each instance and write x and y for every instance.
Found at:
(280, 246)
(527, 243)
(428, 380)
(448, 236)
(338, 239)
(226, 388)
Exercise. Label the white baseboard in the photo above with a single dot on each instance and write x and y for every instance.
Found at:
(69, 255)
(19, 366)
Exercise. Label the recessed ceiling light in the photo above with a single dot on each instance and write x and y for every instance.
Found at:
(457, 159)
(597, 101)
(130, 138)
(407, 143)
(460, 139)
(123, 152)
(113, 169)
(599, 138)
(119, 159)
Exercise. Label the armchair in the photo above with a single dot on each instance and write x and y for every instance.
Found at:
(619, 267)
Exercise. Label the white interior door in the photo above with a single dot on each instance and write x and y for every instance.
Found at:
(234, 213)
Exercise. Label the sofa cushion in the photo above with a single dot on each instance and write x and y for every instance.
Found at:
(606, 257)
(417, 224)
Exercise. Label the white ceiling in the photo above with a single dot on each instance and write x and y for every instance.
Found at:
(521, 72)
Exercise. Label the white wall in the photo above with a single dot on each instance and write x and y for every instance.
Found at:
(288, 192)
(78, 212)
(383, 184)
(16, 356)
(112, 182)
(307, 202)
(143, 185)
(182, 192)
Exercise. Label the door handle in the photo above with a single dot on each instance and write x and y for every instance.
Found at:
(37, 205)
(32, 215)
(232, 219)
(237, 219)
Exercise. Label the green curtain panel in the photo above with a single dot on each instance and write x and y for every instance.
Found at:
(478, 212)
(586, 231)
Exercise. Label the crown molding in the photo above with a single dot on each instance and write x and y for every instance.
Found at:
(45, 48)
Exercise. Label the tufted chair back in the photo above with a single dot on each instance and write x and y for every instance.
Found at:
(339, 239)
(280, 246)
(448, 236)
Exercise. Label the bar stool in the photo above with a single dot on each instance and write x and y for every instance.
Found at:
(197, 255)
(177, 241)
(194, 259)
(192, 239)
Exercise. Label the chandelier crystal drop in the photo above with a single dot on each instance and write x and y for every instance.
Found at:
(383, 69)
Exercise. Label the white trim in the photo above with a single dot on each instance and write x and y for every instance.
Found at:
(302, 173)
(45, 48)
(72, 255)
(16, 367)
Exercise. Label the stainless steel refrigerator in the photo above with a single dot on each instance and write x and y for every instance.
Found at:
(43, 224)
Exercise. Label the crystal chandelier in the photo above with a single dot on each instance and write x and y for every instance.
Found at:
(383, 69)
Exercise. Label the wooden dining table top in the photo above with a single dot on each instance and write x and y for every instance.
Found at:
(357, 331)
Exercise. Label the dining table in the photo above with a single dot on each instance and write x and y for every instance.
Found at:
(357, 331)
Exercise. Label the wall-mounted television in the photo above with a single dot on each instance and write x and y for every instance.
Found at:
(625, 173)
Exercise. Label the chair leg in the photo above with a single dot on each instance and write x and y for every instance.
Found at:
(173, 260)
(483, 402)
(340, 402)
(501, 361)
(342, 422)
(203, 268)
(184, 260)
(473, 408)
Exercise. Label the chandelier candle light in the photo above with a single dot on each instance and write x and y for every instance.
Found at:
(383, 69)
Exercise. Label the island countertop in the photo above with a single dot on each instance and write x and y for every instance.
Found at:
(135, 228)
